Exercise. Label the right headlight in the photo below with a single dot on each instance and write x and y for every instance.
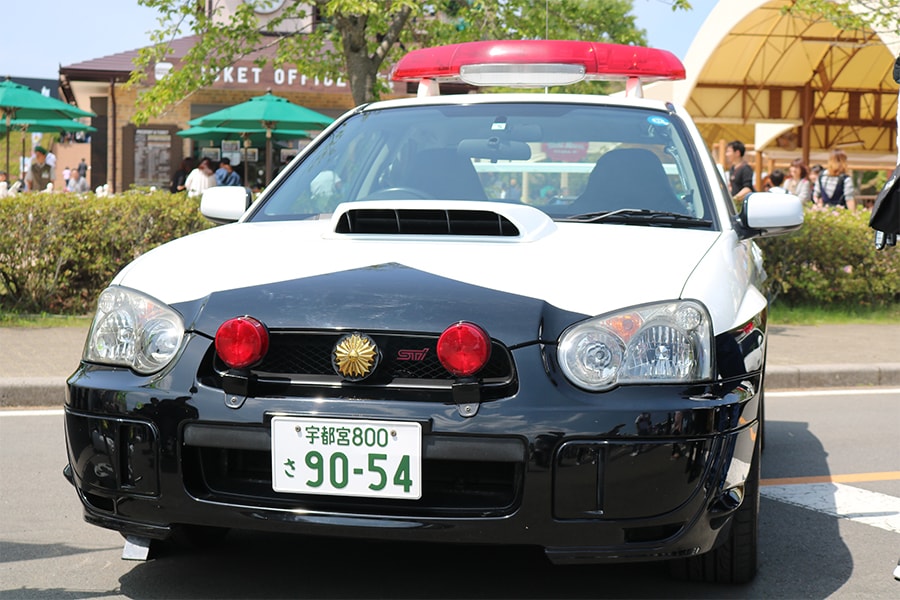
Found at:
(668, 342)
(133, 330)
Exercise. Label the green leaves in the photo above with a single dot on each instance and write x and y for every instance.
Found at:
(356, 40)
(831, 260)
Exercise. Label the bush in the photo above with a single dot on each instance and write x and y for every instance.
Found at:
(831, 260)
(58, 251)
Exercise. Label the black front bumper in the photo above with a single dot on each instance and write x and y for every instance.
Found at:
(637, 473)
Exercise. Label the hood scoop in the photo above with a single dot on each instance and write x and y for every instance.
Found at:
(441, 218)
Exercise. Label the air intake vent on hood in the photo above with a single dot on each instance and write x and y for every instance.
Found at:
(425, 222)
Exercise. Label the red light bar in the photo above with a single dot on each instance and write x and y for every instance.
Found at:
(599, 61)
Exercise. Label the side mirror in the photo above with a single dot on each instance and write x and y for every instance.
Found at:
(225, 204)
(766, 214)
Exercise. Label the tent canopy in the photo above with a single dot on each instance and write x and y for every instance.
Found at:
(751, 64)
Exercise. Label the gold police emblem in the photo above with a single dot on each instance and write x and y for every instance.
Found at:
(355, 356)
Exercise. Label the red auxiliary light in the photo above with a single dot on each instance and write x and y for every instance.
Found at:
(242, 342)
(529, 63)
(464, 348)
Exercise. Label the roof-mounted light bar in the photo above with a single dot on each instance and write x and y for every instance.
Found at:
(536, 63)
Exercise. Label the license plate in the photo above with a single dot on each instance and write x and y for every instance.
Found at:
(347, 457)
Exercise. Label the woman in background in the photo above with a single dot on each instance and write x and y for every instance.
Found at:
(835, 186)
(798, 184)
(201, 178)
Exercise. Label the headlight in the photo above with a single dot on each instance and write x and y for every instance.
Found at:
(658, 343)
(133, 330)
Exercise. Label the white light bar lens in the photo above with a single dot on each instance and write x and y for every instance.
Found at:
(521, 75)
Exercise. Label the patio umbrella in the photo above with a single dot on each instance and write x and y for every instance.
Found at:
(256, 136)
(43, 126)
(21, 102)
(269, 112)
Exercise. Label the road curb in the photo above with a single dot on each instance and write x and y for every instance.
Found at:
(832, 375)
(44, 391)
(32, 391)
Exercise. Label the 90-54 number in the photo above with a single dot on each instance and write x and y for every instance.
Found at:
(338, 471)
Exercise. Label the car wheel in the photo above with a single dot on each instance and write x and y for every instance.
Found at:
(734, 561)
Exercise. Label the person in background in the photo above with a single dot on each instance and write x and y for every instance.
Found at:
(798, 183)
(200, 179)
(40, 172)
(776, 179)
(180, 176)
(77, 183)
(814, 172)
(225, 174)
(740, 175)
(834, 186)
(66, 173)
(82, 169)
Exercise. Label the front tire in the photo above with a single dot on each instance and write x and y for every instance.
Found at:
(735, 560)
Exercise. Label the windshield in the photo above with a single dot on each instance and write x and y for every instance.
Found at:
(568, 160)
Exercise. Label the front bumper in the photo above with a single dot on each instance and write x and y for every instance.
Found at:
(637, 473)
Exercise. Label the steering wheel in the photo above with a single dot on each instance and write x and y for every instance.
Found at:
(399, 193)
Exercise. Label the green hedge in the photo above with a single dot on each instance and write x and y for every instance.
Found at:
(58, 251)
(831, 260)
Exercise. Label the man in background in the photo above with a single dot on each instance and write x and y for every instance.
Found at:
(741, 173)
(225, 174)
(39, 173)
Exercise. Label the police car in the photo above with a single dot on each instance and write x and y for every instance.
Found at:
(512, 318)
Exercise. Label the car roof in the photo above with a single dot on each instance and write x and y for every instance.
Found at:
(548, 98)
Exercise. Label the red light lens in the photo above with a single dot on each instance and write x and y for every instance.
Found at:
(464, 349)
(242, 342)
(600, 60)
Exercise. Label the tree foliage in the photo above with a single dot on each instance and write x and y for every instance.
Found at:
(358, 39)
(881, 16)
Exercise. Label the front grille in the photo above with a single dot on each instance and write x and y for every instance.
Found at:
(303, 359)
(450, 488)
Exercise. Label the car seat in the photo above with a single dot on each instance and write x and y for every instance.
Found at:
(628, 178)
(444, 174)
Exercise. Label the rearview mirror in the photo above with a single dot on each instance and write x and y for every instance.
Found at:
(494, 149)
(225, 204)
(766, 214)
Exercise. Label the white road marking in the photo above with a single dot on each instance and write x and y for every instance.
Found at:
(37, 412)
(833, 392)
(842, 501)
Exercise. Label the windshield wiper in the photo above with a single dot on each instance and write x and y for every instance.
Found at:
(638, 215)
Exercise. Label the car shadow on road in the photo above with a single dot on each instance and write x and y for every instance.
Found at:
(801, 555)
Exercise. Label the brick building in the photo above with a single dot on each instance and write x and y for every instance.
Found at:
(123, 154)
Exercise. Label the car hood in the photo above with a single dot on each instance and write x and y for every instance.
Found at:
(587, 269)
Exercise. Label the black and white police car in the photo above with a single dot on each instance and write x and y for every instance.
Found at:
(525, 318)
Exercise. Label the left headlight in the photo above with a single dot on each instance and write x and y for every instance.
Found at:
(133, 330)
(668, 342)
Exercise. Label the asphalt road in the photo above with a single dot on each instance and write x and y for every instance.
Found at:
(827, 453)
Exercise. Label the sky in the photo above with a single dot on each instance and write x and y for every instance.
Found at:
(100, 28)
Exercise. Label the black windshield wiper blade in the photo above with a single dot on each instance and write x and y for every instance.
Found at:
(638, 215)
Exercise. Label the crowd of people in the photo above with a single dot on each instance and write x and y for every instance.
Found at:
(831, 185)
(206, 174)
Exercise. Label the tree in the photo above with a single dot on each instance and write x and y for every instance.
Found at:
(357, 39)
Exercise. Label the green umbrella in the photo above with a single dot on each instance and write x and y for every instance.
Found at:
(256, 136)
(47, 125)
(21, 102)
(267, 112)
